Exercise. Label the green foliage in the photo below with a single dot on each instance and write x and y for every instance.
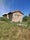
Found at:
(10, 31)
(4, 19)
(28, 21)
(25, 18)
(29, 15)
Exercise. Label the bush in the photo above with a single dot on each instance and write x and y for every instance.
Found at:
(4, 19)
(28, 22)
(25, 18)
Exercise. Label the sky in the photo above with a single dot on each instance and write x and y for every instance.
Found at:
(12, 5)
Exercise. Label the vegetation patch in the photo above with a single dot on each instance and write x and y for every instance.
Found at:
(14, 31)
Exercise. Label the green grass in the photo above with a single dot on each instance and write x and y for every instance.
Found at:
(10, 31)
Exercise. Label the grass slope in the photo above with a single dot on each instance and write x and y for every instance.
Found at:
(10, 31)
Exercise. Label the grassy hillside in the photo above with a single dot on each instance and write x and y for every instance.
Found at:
(10, 31)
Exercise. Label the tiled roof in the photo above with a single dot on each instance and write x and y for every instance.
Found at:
(15, 12)
(4, 14)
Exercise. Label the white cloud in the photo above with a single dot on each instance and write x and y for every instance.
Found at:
(5, 6)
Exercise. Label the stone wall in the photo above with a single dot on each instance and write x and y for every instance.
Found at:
(17, 17)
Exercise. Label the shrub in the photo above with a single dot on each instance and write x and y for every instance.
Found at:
(4, 19)
(28, 22)
(25, 18)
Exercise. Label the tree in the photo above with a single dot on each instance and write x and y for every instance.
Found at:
(25, 18)
(29, 15)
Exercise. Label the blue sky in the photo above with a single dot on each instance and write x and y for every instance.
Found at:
(12, 5)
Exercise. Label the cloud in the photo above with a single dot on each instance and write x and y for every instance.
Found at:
(2, 7)
(5, 6)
